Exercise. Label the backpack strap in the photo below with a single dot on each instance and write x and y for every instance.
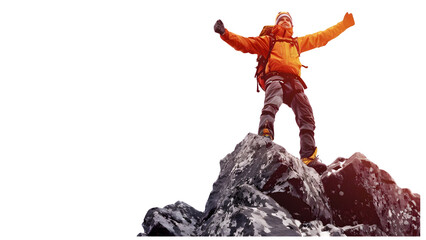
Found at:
(263, 61)
(272, 42)
(296, 44)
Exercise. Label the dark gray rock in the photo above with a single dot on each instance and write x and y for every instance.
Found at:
(316, 228)
(276, 173)
(313, 228)
(363, 230)
(249, 212)
(361, 193)
(262, 190)
(177, 219)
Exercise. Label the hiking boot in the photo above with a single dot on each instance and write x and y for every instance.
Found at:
(318, 166)
(266, 133)
(314, 162)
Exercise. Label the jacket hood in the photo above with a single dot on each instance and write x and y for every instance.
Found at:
(282, 32)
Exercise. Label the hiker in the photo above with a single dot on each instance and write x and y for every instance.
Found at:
(281, 76)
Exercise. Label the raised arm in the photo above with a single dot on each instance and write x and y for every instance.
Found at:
(253, 45)
(321, 38)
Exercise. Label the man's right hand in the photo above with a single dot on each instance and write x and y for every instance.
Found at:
(219, 27)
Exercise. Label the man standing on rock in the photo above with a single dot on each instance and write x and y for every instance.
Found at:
(281, 80)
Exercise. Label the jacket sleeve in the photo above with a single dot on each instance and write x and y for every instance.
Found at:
(321, 38)
(253, 45)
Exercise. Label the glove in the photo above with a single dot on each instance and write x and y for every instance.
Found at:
(219, 27)
(348, 20)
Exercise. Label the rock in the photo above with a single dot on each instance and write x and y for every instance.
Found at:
(177, 219)
(262, 190)
(276, 173)
(312, 228)
(361, 193)
(363, 230)
(316, 228)
(249, 212)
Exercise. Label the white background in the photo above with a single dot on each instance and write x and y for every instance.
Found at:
(109, 108)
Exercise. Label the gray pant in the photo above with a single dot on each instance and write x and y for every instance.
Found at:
(277, 93)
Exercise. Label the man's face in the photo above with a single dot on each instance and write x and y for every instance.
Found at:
(284, 22)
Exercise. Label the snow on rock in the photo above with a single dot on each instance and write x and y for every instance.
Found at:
(262, 190)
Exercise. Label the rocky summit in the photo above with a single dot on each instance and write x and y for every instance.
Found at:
(262, 190)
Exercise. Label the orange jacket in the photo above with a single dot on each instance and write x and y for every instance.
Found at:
(284, 56)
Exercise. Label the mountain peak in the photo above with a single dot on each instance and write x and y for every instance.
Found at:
(262, 190)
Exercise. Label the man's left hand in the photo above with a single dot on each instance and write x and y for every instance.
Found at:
(349, 20)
